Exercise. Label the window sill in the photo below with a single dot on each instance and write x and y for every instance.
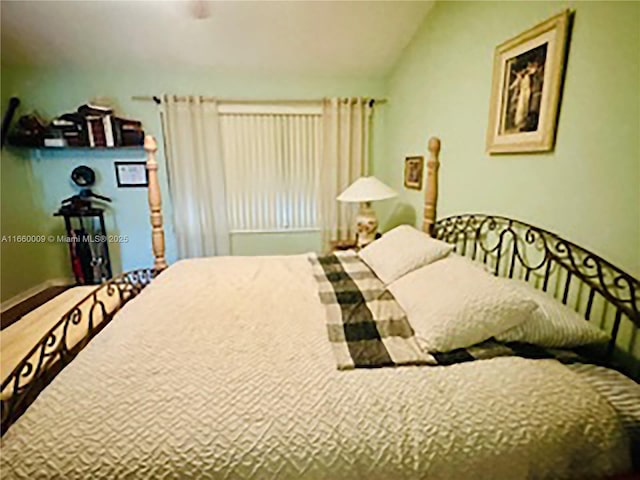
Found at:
(287, 230)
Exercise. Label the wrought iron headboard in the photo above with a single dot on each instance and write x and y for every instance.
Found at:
(591, 285)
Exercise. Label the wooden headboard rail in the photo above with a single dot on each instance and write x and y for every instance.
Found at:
(155, 205)
(431, 192)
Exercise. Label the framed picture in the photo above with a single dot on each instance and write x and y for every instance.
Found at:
(131, 174)
(413, 168)
(525, 94)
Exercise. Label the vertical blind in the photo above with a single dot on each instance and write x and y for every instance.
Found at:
(272, 165)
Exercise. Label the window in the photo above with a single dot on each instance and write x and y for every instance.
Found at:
(271, 156)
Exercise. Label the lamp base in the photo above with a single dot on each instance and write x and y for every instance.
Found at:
(367, 225)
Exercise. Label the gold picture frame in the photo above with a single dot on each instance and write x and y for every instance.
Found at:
(525, 94)
(413, 172)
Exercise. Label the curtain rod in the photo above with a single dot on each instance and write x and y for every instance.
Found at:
(158, 100)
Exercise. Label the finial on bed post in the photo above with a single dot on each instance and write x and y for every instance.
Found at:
(431, 193)
(155, 205)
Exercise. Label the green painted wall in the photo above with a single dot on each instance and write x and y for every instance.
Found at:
(22, 265)
(55, 91)
(588, 189)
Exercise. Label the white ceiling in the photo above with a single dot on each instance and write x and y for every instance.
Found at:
(304, 37)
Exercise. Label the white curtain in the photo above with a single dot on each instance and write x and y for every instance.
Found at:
(345, 158)
(196, 176)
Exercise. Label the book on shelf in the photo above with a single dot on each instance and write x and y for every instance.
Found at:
(100, 130)
(95, 129)
(108, 131)
(128, 133)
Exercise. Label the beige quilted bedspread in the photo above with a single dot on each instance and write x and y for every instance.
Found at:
(221, 369)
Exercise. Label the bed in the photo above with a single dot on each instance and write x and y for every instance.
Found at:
(221, 368)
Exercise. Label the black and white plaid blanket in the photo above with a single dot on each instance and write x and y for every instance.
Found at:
(368, 328)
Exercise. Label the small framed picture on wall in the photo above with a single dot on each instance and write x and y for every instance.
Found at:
(131, 174)
(413, 170)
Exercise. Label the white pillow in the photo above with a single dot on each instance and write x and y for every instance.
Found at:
(401, 251)
(552, 325)
(453, 303)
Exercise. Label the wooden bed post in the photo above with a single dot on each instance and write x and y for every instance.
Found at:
(155, 205)
(431, 193)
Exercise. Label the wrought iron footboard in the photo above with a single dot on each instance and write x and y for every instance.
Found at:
(584, 281)
(65, 340)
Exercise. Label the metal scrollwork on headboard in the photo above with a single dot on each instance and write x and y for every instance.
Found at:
(576, 276)
(65, 340)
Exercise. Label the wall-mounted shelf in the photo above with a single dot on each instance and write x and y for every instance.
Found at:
(61, 149)
(90, 127)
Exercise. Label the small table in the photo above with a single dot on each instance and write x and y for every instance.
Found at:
(341, 245)
(88, 245)
(338, 245)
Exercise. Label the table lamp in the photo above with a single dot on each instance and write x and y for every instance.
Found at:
(366, 190)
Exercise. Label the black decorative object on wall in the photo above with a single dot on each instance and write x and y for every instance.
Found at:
(83, 176)
(14, 102)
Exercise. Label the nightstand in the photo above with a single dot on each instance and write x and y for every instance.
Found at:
(341, 245)
(338, 245)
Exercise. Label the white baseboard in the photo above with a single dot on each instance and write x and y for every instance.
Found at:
(30, 292)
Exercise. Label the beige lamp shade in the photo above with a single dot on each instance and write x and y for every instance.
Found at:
(367, 189)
